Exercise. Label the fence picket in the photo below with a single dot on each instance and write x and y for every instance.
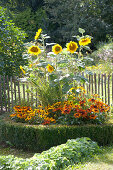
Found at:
(105, 88)
(24, 91)
(11, 93)
(5, 98)
(102, 86)
(10, 90)
(98, 84)
(92, 83)
(108, 89)
(8, 94)
(95, 82)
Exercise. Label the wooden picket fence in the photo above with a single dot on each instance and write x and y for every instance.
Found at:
(11, 90)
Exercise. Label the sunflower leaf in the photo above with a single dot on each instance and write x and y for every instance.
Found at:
(81, 30)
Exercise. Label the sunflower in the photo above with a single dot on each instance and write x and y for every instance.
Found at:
(35, 50)
(72, 46)
(50, 68)
(57, 49)
(38, 34)
(85, 41)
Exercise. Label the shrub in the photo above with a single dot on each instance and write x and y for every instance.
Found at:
(12, 46)
(60, 157)
(39, 138)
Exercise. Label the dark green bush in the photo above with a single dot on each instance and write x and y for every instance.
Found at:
(65, 17)
(30, 21)
(11, 46)
(39, 138)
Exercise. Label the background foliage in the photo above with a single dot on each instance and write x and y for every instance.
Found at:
(11, 46)
(61, 19)
(65, 17)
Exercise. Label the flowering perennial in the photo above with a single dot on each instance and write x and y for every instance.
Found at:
(72, 111)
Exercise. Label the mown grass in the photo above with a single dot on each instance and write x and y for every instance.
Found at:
(7, 150)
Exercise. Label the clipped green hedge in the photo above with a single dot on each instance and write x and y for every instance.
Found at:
(39, 138)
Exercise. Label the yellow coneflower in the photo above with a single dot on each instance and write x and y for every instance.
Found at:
(38, 34)
(72, 46)
(50, 68)
(84, 41)
(22, 69)
(57, 49)
(35, 50)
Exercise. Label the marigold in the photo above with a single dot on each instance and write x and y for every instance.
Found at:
(57, 49)
(35, 50)
(84, 41)
(38, 34)
(72, 46)
(50, 68)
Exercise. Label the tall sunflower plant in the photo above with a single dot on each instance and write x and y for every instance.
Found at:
(53, 73)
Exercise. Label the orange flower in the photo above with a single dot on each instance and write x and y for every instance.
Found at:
(46, 122)
(66, 109)
(92, 116)
(91, 100)
(13, 115)
(82, 112)
(95, 110)
(88, 110)
(82, 102)
(77, 115)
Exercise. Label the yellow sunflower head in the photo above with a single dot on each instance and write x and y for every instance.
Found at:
(57, 49)
(72, 46)
(50, 68)
(84, 41)
(35, 50)
(38, 34)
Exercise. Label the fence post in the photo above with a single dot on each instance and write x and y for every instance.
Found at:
(108, 89)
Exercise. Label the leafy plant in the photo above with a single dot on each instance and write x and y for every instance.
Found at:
(73, 151)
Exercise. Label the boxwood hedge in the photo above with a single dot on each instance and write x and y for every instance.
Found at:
(40, 137)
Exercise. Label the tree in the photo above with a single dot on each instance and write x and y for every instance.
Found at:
(11, 46)
(65, 17)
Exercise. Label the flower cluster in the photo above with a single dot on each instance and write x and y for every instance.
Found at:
(23, 113)
(75, 110)
(82, 111)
